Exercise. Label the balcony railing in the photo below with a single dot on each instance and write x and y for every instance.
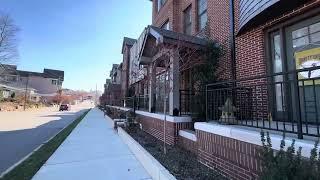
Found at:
(287, 102)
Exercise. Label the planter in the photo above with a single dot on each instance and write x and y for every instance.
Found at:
(152, 166)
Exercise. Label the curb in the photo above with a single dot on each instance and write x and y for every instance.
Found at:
(152, 166)
(36, 149)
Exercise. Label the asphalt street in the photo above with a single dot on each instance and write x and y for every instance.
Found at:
(22, 132)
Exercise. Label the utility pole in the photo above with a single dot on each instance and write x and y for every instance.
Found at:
(95, 99)
(25, 94)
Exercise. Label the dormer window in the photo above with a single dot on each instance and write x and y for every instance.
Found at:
(161, 4)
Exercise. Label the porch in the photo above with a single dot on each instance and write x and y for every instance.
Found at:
(283, 102)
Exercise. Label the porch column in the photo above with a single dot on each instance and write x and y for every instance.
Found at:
(174, 95)
(152, 86)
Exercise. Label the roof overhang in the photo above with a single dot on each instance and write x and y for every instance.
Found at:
(256, 12)
(154, 36)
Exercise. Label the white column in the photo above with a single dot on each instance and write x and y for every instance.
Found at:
(174, 82)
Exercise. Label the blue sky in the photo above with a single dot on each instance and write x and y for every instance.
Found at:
(83, 38)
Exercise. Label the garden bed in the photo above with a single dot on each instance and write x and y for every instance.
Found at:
(182, 164)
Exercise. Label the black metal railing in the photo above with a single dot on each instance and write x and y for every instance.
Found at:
(129, 102)
(288, 102)
(192, 103)
(115, 102)
(140, 102)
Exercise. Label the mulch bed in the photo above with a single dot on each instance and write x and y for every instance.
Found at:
(181, 163)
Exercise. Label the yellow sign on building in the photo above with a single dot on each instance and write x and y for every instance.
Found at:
(307, 59)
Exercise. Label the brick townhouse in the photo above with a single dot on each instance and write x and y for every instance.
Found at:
(112, 87)
(270, 70)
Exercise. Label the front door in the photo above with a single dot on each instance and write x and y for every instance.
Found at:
(303, 51)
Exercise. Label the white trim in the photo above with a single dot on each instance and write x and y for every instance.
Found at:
(174, 119)
(188, 134)
(120, 108)
(152, 166)
(253, 136)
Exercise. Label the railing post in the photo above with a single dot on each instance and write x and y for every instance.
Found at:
(298, 106)
(134, 104)
(180, 102)
(206, 102)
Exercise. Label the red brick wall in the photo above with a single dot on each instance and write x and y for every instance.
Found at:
(155, 128)
(165, 13)
(233, 158)
(188, 144)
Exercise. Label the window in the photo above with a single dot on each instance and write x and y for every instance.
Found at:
(306, 35)
(54, 82)
(11, 78)
(166, 25)
(187, 21)
(277, 64)
(161, 4)
(202, 14)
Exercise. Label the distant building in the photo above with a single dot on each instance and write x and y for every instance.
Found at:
(112, 88)
(46, 83)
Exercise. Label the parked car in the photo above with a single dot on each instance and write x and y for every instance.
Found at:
(64, 107)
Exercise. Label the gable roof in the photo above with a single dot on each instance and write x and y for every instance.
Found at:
(8, 69)
(47, 73)
(167, 34)
(127, 42)
(29, 73)
(114, 69)
(163, 36)
(55, 74)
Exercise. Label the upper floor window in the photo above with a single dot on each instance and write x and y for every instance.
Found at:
(166, 25)
(161, 3)
(187, 21)
(11, 78)
(202, 14)
(54, 82)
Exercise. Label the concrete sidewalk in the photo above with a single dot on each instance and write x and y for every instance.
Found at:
(93, 151)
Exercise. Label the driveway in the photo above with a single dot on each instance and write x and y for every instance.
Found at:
(22, 132)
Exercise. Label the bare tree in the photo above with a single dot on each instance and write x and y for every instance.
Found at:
(8, 40)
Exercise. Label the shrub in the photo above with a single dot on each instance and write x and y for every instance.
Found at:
(288, 164)
(13, 95)
(108, 111)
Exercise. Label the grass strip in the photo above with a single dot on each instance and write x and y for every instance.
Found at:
(28, 168)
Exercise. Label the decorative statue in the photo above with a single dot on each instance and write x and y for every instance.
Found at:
(228, 110)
